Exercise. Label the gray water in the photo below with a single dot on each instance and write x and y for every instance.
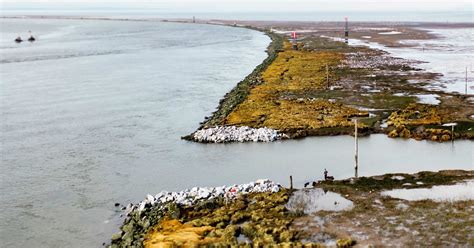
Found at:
(310, 201)
(93, 111)
(462, 191)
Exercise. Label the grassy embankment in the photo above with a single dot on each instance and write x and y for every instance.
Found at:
(271, 104)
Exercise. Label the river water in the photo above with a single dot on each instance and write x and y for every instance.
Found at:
(92, 114)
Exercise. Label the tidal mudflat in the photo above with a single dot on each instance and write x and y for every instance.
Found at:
(384, 219)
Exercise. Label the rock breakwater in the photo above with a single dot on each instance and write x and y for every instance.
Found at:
(190, 197)
(225, 134)
(142, 216)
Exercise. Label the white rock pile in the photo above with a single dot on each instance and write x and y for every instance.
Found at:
(190, 197)
(236, 134)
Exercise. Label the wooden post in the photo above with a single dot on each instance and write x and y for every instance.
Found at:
(291, 182)
(356, 167)
(327, 75)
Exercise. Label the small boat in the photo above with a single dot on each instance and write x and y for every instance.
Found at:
(18, 39)
(32, 38)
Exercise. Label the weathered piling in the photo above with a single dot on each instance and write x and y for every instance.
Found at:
(356, 156)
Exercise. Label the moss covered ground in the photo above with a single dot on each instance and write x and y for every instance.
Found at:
(259, 218)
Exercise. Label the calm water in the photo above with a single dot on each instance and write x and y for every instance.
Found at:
(92, 114)
(462, 191)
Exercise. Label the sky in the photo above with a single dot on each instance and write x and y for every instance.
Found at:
(248, 5)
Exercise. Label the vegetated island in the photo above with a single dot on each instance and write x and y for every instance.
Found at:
(323, 85)
(426, 208)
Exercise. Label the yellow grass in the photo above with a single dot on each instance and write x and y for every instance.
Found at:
(293, 72)
(172, 233)
(415, 114)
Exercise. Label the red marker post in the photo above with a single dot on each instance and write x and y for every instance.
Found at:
(295, 44)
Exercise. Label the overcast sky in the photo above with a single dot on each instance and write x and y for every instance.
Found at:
(251, 5)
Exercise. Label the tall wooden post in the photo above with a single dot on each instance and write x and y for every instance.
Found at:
(356, 167)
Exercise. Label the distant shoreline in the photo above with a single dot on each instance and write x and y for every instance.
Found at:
(439, 24)
(256, 14)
